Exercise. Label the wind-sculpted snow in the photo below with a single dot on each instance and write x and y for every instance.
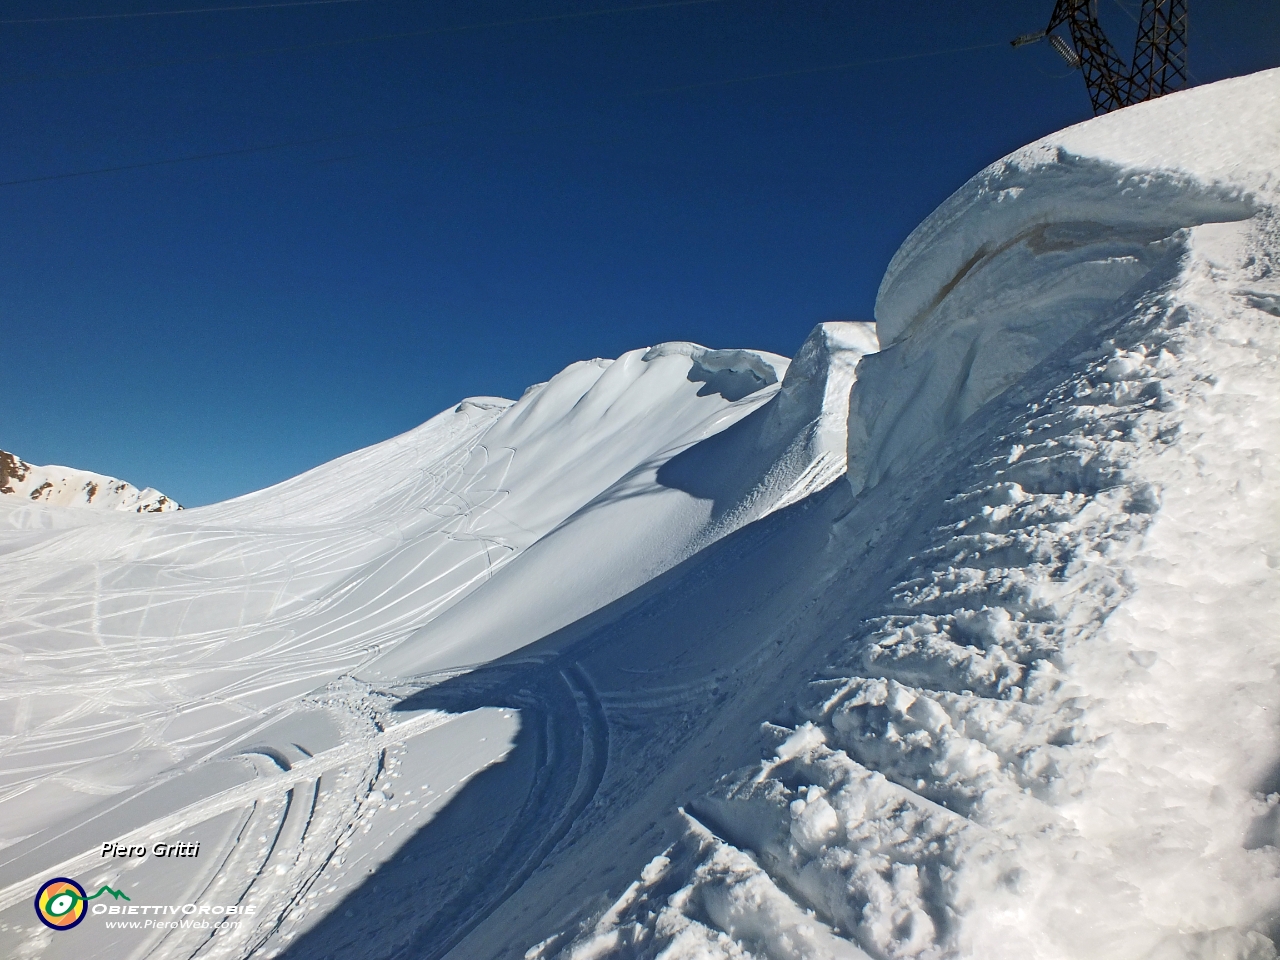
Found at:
(1043, 243)
(783, 444)
(1031, 251)
(1053, 735)
(620, 670)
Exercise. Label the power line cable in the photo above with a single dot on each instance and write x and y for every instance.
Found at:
(1127, 12)
(812, 70)
(375, 38)
(176, 13)
(262, 148)
(403, 128)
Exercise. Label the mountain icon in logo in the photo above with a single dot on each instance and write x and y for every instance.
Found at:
(60, 902)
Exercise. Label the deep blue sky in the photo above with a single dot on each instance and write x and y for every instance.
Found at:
(485, 205)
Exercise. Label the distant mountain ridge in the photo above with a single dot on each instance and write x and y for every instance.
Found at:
(68, 487)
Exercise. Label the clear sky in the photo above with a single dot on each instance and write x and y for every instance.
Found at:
(462, 198)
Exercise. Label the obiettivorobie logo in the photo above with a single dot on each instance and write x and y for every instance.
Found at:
(61, 903)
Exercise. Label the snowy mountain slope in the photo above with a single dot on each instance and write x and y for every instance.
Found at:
(243, 604)
(618, 670)
(181, 645)
(66, 487)
(660, 512)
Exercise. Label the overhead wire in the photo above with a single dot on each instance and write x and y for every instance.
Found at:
(832, 68)
(1127, 12)
(175, 13)
(373, 38)
(422, 125)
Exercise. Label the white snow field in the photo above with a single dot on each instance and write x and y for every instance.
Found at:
(958, 643)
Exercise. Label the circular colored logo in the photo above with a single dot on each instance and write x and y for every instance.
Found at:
(60, 904)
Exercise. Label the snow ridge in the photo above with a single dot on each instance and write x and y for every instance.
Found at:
(67, 487)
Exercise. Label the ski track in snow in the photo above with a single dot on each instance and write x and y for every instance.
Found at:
(621, 670)
(121, 690)
(195, 647)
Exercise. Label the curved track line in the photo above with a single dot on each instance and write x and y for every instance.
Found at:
(302, 772)
(544, 819)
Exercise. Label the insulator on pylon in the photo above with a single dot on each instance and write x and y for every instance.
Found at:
(1064, 50)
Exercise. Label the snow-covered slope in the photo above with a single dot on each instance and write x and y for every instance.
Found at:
(1054, 734)
(662, 510)
(621, 670)
(66, 487)
(241, 605)
(194, 637)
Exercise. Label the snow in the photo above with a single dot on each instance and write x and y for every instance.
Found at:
(237, 607)
(1035, 745)
(20, 483)
(955, 641)
(768, 448)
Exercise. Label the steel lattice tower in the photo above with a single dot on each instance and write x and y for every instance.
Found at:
(1159, 55)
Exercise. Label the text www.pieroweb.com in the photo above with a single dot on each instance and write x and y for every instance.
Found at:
(189, 916)
(189, 924)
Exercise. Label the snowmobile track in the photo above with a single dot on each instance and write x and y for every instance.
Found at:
(570, 729)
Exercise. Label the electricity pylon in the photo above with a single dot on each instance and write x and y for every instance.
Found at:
(1159, 53)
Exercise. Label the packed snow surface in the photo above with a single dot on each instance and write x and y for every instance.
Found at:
(957, 641)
